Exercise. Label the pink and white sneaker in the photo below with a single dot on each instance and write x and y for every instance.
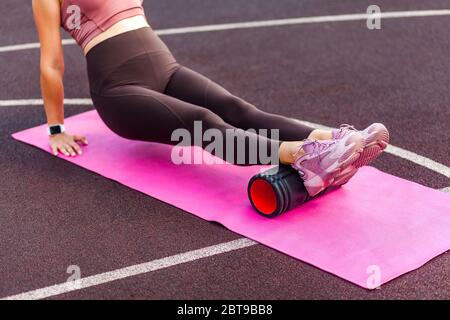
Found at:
(376, 139)
(325, 161)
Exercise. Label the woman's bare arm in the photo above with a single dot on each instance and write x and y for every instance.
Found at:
(47, 16)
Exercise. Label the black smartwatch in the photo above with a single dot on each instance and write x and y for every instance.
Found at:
(55, 129)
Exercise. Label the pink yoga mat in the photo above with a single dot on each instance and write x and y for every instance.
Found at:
(374, 229)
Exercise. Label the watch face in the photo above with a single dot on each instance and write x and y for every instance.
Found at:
(55, 130)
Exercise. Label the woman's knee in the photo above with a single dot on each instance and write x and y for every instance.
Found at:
(209, 119)
(236, 109)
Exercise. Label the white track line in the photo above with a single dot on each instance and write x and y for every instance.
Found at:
(401, 153)
(39, 102)
(133, 270)
(420, 160)
(304, 20)
(264, 24)
(28, 46)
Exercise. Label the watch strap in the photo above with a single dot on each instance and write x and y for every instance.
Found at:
(55, 129)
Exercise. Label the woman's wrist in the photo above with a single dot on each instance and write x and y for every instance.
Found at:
(54, 129)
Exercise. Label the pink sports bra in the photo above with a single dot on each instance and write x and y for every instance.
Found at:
(95, 16)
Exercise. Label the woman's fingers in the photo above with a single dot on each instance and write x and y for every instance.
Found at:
(82, 139)
(55, 150)
(63, 150)
(69, 148)
(75, 146)
(67, 145)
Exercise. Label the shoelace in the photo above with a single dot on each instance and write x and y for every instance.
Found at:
(318, 147)
(344, 127)
(348, 126)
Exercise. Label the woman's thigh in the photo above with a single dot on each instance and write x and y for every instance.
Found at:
(138, 113)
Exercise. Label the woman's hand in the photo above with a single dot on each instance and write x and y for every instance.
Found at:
(67, 144)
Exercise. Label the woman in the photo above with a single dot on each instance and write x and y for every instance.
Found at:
(142, 93)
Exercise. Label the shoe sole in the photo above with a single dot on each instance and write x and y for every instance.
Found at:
(375, 144)
(347, 170)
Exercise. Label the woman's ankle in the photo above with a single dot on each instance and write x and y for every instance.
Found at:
(290, 151)
(319, 134)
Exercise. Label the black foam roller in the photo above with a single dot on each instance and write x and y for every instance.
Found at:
(276, 191)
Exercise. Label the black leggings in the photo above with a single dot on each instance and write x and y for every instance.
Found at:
(142, 93)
